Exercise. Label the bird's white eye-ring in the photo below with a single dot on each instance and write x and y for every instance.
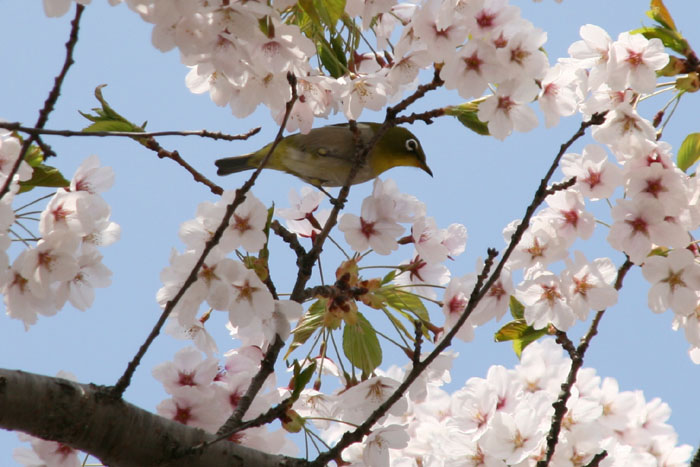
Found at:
(411, 145)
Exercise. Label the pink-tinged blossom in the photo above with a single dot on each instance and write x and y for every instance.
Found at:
(589, 285)
(568, 216)
(371, 229)
(46, 453)
(9, 152)
(496, 301)
(634, 60)
(558, 97)
(246, 226)
(46, 264)
(473, 407)
(436, 28)
(592, 52)
(77, 213)
(191, 408)
(539, 245)
(358, 402)
(285, 51)
(515, 437)
(656, 182)
(471, 69)
(624, 128)
(596, 177)
(436, 245)
(380, 440)
(455, 301)
(545, 301)
(251, 300)
(638, 225)
(91, 177)
(187, 370)
(402, 207)
(301, 207)
(488, 18)
(364, 91)
(675, 281)
(522, 57)
(195, 332)
(508, 109)
(80, 290)
(422, 276)
(368, 9)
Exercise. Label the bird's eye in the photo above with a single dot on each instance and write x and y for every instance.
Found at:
(411, 145)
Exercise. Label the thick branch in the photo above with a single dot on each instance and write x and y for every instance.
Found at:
(88, 418)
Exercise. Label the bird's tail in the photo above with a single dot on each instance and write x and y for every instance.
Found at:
(229, 165)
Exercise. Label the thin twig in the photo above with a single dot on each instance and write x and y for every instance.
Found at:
(576, 364)
(16, 126)
(50, 101)
(125, 379)
(153, 145)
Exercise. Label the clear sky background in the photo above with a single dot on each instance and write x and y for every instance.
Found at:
(480, 182)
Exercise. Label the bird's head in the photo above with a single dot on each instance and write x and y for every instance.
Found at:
(397, 147)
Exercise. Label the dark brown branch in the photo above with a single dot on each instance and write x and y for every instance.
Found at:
(576, 364)
(696, 459)
(51, 100)
(289, 238)
(125, 379)
(153, 145)
(216, 135)
(88, 418)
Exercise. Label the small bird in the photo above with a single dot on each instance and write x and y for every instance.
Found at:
(325, 155)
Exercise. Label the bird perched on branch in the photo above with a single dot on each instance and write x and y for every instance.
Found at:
(325, 155)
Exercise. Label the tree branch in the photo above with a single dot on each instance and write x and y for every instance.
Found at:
(88, 418)
(216, 135)
(51, 100)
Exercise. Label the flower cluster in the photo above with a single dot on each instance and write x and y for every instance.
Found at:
(242, 64)
(224, 283)
(204, 395)
(65, 265)
(503, 419)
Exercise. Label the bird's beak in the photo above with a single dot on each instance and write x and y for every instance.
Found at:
(425, 168)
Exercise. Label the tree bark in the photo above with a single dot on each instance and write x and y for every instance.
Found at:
(88, 418)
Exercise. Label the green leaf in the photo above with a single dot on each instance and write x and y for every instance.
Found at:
(301, 378)
(689, 152)
(34, 156)
(671, 39)
(329, 60)
(517, 310)
(467, 115)
(389, 277)
(660, 14)
(399, 325)
(308, 324)
(45, 176)
(361, 345)
(330, 11)
(401, 300)
(107, 119)
(520, 334)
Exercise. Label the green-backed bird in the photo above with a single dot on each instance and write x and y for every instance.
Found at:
(325, 155)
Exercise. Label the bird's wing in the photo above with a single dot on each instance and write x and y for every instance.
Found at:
(322, 157)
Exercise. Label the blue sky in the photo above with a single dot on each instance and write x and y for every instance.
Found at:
(480, 182)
